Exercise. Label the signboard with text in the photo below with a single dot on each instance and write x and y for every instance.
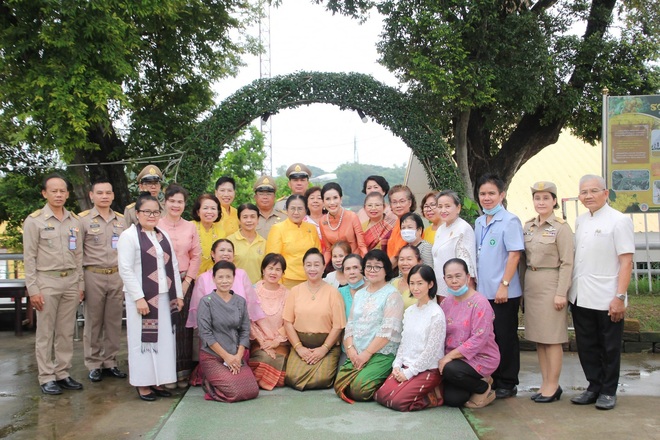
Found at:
(633, 153)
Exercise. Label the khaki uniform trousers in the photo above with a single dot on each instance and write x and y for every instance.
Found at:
(55, 326)
(104, 305)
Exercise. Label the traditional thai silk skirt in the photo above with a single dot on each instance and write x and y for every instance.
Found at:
(360, 385)
(419, 392)
(269, 372)
(302, 376)
(221, 385)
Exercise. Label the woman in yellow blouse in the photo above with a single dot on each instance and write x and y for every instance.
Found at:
(206, 218)
(431, 213)
(249, 247)
(292, 238)
(225, 191)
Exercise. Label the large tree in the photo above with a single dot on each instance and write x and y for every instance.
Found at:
(502, 78)
(108, 80)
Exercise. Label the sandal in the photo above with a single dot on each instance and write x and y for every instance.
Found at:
(481, 400)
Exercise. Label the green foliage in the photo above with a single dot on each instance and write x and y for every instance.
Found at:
(387, 106)
(515, 73)
(242, 160)
(105, 80)
(351, 178)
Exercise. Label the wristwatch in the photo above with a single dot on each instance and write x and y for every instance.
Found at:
(505, 283)
(621, 296)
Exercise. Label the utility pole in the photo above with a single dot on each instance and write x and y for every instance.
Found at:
(264, 72)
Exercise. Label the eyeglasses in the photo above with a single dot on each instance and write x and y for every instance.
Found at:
(429, 207)
(399, 202)
(296, 208)
(593, 192)
(150, 213)
(150, 183)
(372, 268)
(374, 206)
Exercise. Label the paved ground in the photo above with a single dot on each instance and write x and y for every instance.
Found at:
(111, 409)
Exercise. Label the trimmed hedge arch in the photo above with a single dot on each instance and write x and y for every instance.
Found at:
(385, 105)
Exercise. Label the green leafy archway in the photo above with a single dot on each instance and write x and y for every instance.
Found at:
(385, 105)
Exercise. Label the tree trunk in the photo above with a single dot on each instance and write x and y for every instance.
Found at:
(111, 149)
(461, 148)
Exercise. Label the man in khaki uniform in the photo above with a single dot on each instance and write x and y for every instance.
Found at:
(52, 249)
(149, 180)
(101, 228)
(264, 197)
(298, 175)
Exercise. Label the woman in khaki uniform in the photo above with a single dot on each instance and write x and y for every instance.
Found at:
(549, 253)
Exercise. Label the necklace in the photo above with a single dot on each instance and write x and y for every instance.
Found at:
(341, 217)
(313, 292)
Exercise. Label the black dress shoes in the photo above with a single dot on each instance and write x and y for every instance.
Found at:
(606, 402)
(69, 384)
(586, 398)
(115, 372)
(146, 397)
(51, 388)
(535, 396)
(548, 399)
(96, 375)
(504, 393)
(160, 393)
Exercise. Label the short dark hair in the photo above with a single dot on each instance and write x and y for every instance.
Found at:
(428, 274)
(225, 179)
(330, 186)
(54, 176)
(271, 258)
(311, 190)
(455, 261)
(198, 205)
(380, 180)
(293, 197)
(100, 181)
(413, 248)
(247, 207)
(313, 251)
(418, 220)
(491, 178)
(143, 198)
(429, 195)
(174, 189)
(221, 240)
(380, 255)
(356, 256)
(224, 265)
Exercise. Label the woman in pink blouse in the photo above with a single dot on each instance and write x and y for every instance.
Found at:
(471, 354)
(185, 242)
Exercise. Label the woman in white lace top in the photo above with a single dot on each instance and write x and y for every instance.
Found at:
(415, 380)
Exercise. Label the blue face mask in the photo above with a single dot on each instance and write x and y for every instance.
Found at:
(458, 292)
(494, 210)
(356, 285)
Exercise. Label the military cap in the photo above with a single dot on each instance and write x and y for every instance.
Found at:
(150, 173)
(298, 171)
(265, 183)
(544, 186)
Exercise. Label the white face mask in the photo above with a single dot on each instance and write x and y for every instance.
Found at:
(408, 235)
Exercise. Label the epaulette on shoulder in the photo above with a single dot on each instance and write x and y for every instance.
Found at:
(74, 215)
(84, 213)
(36, 213)
(119, 214)
(130, 206)
(531, 220)
(560, 220)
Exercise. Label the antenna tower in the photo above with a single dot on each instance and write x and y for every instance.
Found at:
(264, 72)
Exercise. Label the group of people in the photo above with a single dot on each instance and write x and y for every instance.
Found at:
(305, 293)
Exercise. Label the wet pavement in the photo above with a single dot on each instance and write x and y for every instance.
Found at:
(111, 409)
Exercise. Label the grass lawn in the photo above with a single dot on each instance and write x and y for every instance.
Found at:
(645, 308)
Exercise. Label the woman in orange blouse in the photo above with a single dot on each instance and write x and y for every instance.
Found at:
(339, 224)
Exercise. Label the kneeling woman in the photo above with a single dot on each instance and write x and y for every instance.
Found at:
(373, 332)
(224, 329)
(415, 380)
(471, 352)
(313, 319)
(270, 347)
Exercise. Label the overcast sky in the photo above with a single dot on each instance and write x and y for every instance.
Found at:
(307, 37)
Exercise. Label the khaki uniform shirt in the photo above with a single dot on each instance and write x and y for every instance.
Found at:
(264, 225)
(100, 238)
(550, 246)
(51, 245)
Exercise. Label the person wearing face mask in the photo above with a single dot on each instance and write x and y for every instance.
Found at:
(500, 243)
(412, 228)
(338, 252)
(471, 354)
